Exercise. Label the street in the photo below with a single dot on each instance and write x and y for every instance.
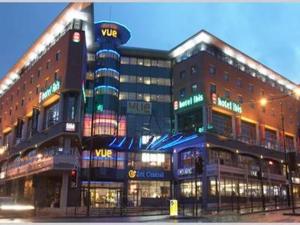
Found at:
(269, 217)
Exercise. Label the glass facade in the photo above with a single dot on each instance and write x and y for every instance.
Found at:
(51, 115)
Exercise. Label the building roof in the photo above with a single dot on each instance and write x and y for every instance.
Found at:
(144, 52)
(205, 37)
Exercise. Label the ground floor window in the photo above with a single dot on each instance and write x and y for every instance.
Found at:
(146, 192)
(187, 189)
(105, 194)
(222, 123)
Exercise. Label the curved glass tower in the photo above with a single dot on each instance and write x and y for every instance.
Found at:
(109, 36)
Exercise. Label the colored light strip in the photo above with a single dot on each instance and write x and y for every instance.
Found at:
(103, 158)
(170, 144)
(111, 143)
(122, 142)
(179, 141)
(109, 69)
(159, 141)
(131, 142)
(140, 142)
(106, 87)
(108, 50)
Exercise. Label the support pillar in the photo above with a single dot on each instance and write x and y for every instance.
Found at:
(64, 190)
(205, 185)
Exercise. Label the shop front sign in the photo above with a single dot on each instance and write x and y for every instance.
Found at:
(145, 174)
(136, 107)
(185, 171)
(199, 98)
(103, 153)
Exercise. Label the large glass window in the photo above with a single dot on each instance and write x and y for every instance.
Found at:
(271, 139)
(52, 115)
(187, 189)
(190, 121)
(222, 124)
(149, 160)
(248, 134)
(144, 192)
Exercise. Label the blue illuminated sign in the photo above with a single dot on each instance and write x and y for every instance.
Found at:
(143, 174)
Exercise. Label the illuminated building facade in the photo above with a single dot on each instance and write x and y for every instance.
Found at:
(150, 113)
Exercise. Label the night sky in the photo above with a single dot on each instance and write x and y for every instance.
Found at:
(268, 32)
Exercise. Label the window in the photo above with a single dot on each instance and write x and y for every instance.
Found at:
(48, 64)
(52, 115)
(193, 69)
(124, 60)
(39, 72)
(222, 124)
(56, 75)
(31, 80)
(182, 93)
(240, 99)
(212, 70)
(37, 90)
(182, 74)
(239, 83)
(133, 61)
(57, 56)
(248, 132)
(22, 102)
(213, 88)
(24, 86)
(226, 76)
(147, 62)
(271, 139)
(194, 88)
(153, 62)
(226, 93)
(140, 80)
(140, 62)
(251, 88)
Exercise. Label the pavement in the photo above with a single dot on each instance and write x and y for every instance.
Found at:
(267, 217)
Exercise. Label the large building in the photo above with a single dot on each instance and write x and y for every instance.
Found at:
(80, 112)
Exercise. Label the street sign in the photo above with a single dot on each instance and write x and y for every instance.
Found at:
(173, 207)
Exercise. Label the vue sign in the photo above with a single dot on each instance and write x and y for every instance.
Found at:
(104, 153)
(109, 32)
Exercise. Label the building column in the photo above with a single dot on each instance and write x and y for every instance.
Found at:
(24, 129)
(64, 190)
(205, 185)
(258, 134)
(41, 119)
(61, 107)
(67, 145)
(204, 117)
(175, 122)
(238, 127)
(234, 135)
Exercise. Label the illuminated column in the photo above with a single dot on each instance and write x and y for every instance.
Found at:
(109, 36)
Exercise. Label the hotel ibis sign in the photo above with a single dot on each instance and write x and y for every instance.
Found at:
(199, 98)
(54, 87)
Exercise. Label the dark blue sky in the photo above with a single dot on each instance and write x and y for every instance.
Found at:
(268, 32)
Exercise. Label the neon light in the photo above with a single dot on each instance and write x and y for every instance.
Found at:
(140, 143)
(106, 87)
(171, 143)
(83, 92)
(55, 86)
(233, 106)
(122, 142)
(111, 143)
(130, 145)
(100, 108)
(179, 141)
(189, 102)
(109, 69)
(107, 50)
(159, 141)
